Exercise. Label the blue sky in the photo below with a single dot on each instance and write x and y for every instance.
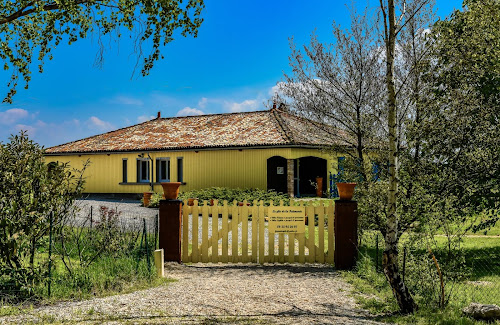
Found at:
(240, 53)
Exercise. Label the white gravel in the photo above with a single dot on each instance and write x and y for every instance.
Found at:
(213, 293)
(220, 294)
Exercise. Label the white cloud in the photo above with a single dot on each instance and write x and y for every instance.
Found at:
(202, 103)
(144, 118)
(31, 130)
(275, 90)
(95, 122)
(244, 106)
(126, 100)
(13, 115)
(188, 111)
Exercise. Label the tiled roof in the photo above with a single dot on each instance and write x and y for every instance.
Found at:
(249, 129)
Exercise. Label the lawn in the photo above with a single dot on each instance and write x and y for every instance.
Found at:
(475, 279)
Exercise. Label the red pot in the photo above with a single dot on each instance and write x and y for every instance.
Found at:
(319, 188)
(170, 190)
(147, 198)
(346, 190)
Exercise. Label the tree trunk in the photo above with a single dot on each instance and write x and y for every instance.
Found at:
(390, 256)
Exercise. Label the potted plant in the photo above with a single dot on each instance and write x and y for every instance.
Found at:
(319, 186)
(170, 190)
(146, 199)
(191, 201)
(346, 190)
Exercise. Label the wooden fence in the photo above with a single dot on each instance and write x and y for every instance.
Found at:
(232, 234)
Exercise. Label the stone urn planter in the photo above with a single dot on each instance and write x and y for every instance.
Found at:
(146, 199)
(170, 190)
(346, 190)
(319, 186)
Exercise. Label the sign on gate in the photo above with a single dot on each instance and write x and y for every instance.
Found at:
(287, 219)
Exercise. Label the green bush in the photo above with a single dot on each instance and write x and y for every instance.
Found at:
(229, 194)
(34, 196)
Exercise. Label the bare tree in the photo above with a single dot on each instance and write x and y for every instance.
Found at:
(340, 84)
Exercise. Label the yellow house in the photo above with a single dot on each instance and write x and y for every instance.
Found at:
(270, 149)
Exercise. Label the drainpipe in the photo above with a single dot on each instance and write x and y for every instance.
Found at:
(151, 179)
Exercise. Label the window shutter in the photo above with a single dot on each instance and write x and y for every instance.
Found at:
(124, 170)
(158, 170)
(138, 171)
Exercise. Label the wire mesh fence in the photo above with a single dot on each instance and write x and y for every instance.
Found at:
(95, 248)
(440, 271)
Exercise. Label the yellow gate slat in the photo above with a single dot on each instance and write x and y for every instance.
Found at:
(244, 232)
(255, 231)
(215, 232)
(204, 234)
(225, 232)
(261, 231)
(270, 241)
(310, 241)
(195, 254)
(234, 232)
(321, 234)
(291, 248)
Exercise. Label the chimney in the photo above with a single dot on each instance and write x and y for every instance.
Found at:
(274, 105)
(159, 115)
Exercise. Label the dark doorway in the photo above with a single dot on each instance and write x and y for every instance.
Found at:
(277, 174)
(308, 169)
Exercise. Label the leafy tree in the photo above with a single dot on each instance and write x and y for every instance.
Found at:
(30, 29)
(458, 131)
(31, 192)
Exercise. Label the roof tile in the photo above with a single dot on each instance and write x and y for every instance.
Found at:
(260, 128)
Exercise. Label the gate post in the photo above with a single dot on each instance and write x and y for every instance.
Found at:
(346, 234)
(170, 229)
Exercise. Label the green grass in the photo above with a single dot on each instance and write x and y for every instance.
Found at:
(109, 275)
(482, 284)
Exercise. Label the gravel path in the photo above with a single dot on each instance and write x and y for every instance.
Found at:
(220, 294)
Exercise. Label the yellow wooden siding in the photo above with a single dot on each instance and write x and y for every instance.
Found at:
(206, 168)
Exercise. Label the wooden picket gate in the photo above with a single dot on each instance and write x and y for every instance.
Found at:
(231, 237)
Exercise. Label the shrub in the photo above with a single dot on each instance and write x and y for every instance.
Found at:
(229, 194)
(31, 194)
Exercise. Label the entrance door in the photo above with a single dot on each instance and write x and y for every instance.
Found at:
(277, 174)
(308, 169)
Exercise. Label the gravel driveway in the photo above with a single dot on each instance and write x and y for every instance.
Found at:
(213, 293)
(220, 294)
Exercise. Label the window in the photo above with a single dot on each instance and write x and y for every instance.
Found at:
(341, 163)
(180, 170)
(124, 170)
(142, 170)
(163, 170)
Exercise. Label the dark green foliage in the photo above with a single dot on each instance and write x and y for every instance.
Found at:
(229, 194)
(29, 30)
(30, 191)
(235, 194)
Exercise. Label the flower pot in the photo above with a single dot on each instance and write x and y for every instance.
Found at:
(170, 190)
(240, 204)
(146, 199)
(346, 190)
(191, 201)
(319, 186)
